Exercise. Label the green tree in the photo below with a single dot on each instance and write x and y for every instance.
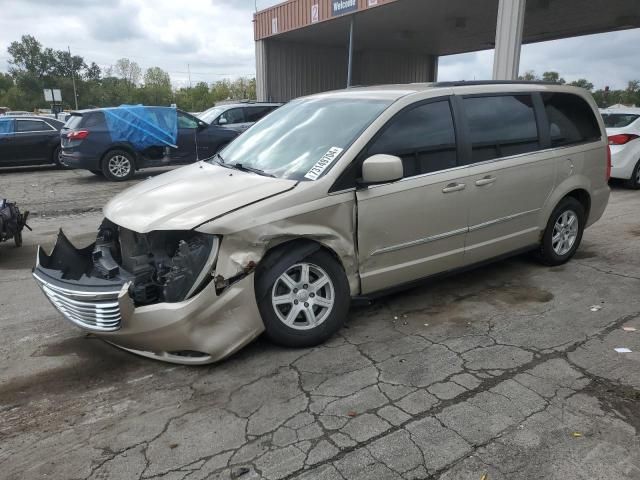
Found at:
(528, 76)
(157, 87)
(93, 73)
(128, 70)
(553, 77)
(6, 82)
(583, 83)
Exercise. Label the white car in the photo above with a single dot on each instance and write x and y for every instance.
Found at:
(623, 130)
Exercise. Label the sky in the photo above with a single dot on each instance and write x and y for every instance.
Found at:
(213, 39)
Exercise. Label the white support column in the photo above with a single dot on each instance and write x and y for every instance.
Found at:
(506, 60)
(262, 87)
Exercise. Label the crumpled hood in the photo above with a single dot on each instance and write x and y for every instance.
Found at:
(187, 197)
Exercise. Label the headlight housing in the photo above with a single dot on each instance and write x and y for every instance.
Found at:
(161, 266)
(191, 267)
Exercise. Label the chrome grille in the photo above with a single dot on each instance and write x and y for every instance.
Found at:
(97, 311)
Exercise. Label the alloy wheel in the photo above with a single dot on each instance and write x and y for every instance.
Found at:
(119, 166)
(303, 296)
(565, 232)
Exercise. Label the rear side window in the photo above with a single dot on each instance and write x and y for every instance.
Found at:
(73, 122)
(423, 137)
(95, 119)
(253, 114)
(571, 119)
(619, 120)
(501, 126)
(32, 126)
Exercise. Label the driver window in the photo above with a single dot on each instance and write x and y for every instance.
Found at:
(423, 137)
(235, 115)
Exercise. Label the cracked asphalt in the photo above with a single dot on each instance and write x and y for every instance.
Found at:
(505, 372)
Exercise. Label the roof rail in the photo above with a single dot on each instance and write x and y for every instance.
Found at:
(462, 83)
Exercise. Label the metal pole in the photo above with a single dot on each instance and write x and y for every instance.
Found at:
(73, 78)
(350, 64)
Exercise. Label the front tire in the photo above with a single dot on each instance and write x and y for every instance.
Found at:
(307, 302)
(563, 234)
(118, 166)
(634, 181)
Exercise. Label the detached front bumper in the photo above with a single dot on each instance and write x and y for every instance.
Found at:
(202, 329)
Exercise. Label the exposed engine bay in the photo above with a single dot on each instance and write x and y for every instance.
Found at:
(161, 266)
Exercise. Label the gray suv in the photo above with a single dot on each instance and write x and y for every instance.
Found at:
(238, 116)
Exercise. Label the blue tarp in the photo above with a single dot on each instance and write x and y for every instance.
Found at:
(6, 126)
(143, 126)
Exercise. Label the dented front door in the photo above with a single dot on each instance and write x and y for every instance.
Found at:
(411, 229)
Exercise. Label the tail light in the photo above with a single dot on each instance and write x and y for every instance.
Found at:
(608, 174)
(621, 138)
(78, 134)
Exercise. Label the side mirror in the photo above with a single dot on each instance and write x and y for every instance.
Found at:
(381, 168)
(222, 121)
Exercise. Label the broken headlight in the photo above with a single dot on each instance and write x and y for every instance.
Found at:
(162, 266)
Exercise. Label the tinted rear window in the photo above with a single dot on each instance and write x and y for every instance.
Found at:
(571, 119)
(618, 120)
(32, 126)
(501, 126)
(73, 122)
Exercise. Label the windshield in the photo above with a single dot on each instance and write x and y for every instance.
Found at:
(301, 140)
(211, 114)
(618, 120)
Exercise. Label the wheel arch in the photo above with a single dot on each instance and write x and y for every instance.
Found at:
(285, 252)
(582, 196)
(576, 187)
(119, 146)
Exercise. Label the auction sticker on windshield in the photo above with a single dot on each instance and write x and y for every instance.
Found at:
(322, 164)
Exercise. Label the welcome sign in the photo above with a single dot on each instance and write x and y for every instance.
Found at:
(339, 7)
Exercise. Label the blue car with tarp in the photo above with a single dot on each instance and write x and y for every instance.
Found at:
(116, 142)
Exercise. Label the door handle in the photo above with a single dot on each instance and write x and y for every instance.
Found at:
(453, 187)
(485, 181)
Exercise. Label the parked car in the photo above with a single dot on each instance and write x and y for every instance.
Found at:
(18, 113)
(87, 143)
(341, 195)
(29, 140)
(623, 129)
(238, 116)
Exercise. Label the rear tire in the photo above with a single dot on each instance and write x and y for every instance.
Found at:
(17, 239)
(563, 234)
(307, 302)
(56, 156)
(634, 181)
(118, 166)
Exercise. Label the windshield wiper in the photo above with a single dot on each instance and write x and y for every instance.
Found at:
(245, 168)
(238, 166)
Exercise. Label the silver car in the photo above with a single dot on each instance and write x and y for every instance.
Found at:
(335, 196)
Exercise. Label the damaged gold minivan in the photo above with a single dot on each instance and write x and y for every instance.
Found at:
(334, 196)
